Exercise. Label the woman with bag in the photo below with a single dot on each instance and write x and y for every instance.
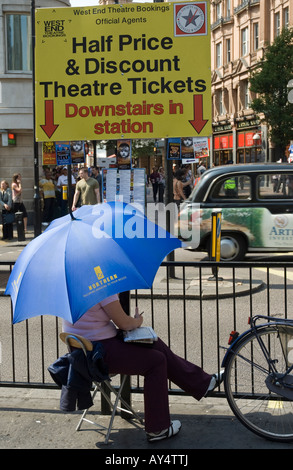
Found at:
(157, 364)
(18, 205)
(7, 213)
(178, 187)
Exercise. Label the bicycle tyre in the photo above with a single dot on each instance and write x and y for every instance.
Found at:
(263, 412)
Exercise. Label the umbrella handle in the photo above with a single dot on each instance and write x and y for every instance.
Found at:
(71, 215)
(69, 191)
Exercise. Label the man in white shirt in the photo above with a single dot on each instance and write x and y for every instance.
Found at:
(63, 181)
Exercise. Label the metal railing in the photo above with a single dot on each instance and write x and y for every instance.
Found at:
(191, 313)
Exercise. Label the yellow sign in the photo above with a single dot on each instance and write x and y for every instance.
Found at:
(123, 71)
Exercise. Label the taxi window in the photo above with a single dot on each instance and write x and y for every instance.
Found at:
(275, 186)
(232, 187)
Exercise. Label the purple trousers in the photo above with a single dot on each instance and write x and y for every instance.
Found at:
(157, 364)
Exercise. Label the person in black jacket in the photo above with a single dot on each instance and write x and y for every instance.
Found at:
(7, 214)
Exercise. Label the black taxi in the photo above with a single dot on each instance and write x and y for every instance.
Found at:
(256, 202)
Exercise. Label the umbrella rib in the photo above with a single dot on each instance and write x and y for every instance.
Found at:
(66, 279)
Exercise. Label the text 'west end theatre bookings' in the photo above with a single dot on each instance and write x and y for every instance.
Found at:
(123, 71)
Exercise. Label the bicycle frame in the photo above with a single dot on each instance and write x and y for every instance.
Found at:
(271, 322)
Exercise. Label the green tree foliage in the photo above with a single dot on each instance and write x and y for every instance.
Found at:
(269, 80)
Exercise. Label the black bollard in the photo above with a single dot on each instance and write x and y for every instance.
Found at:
(19, 226)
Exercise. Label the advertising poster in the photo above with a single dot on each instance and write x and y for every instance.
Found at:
(187, 150)
(124, 185)
(201, 147)
(49, 153)
(63, 154)
(173, 149)
(77, 151)
(124, 154)
(135, 71)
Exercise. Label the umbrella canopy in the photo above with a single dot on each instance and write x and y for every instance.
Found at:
(78, 262)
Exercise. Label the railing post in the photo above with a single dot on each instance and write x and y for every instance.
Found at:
(215, 250)
(126, 392)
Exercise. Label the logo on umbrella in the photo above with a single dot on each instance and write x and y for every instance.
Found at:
(99, 272)
(102, 280)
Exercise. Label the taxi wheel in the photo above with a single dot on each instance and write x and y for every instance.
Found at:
(233, 247)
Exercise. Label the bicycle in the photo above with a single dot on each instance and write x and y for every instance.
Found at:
(262, 355)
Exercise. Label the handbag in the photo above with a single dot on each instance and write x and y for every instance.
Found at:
(8, 218)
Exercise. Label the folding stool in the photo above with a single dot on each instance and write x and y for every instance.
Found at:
(77, 341)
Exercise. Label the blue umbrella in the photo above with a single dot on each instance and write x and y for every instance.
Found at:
(77, 262)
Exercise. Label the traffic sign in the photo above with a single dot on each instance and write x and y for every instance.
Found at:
(123, 71)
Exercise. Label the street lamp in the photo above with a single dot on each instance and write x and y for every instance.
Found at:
(255, 138)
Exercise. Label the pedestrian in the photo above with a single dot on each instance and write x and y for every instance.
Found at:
(187, 178)
(18, 205)
(155, 178)
(178, 187)
(62, 185)
(157, 364)
(87, 189)
(201, 169)
(47, 190)
(7, 213)
(97, 175)
(161, 184)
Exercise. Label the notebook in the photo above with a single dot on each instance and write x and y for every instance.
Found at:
(143, 334)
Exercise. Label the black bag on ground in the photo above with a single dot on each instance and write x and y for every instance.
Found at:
(8, 217)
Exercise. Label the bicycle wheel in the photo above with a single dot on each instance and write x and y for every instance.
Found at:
(262, 411)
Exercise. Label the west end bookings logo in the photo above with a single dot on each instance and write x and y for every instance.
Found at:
(190, 19)
(54, 28)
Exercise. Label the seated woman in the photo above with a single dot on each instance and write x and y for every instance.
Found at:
(157, 364)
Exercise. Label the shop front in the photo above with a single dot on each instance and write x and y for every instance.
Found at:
(223, 145)
(242, 143)
(249, 142)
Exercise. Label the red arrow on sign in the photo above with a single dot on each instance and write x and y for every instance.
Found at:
(49, 127)
(198, 122)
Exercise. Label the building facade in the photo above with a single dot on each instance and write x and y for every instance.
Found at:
(240, 30)
(16, 93)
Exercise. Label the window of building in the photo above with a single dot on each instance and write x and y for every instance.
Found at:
(18, 43)
(228, 8)
(222, 109)
(244, 41)
(246, 95)
(255, 37)
(219, 54)
(286, 17)
(219, 11)
(277, 24)
(228, 50)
